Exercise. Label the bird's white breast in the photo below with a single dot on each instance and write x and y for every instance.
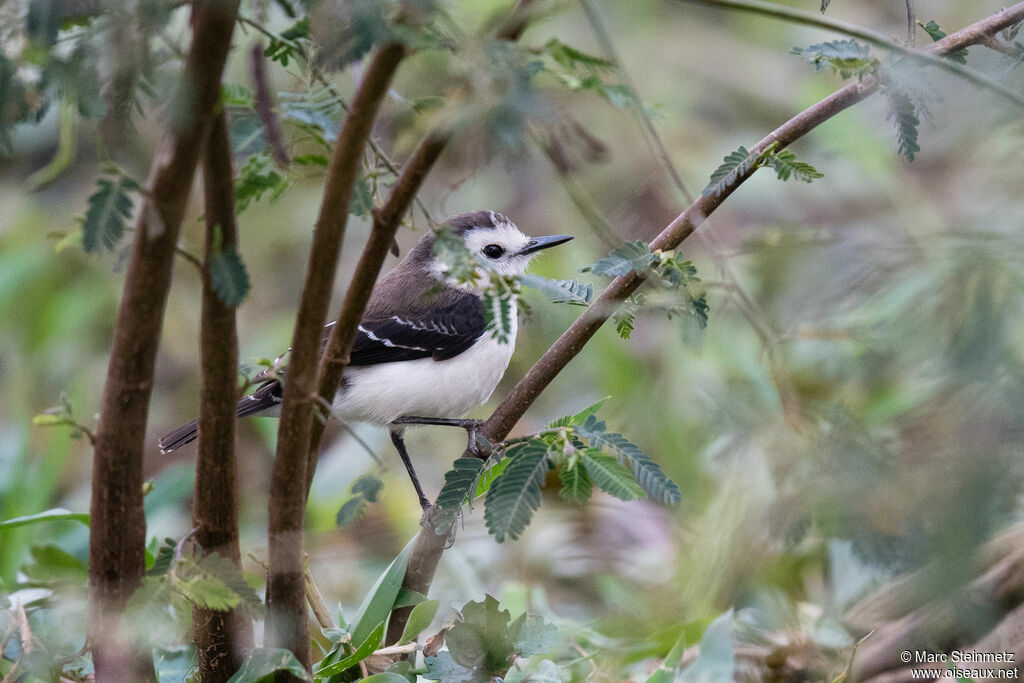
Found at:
(450, 388)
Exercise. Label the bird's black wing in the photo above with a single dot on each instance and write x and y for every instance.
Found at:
(438, 335)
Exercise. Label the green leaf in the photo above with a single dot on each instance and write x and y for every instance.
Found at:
(256, 179)
(228, 276)
(481, 641)
(235, 95)
(51, 515)
(499, 307)
(385, 677)
(609, 474)
(52, 564)
(515, 496)
(458, 483)
(624, 259)
(560, 291)
(215, 566)
(365, 649)
(262, 662)
(110, 207)
(646, 472)
(456, 260)
(208, 592)
(932, 29)
(443, 667)
(786, 165)
(381, 598)
(531, 635)
(576, 484)
(735, 165)
(419, 619)
(408, 598)
(353, 509)
(904, 114)
(670, 668)
(571, 58)
(546, 672)
(625, 321)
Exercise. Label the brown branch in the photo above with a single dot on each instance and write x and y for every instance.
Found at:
(222, 638)
(118, 525)
(286, 622)
(428, 547)
(386, 221)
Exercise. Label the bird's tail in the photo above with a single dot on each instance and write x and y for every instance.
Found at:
(264, 400)
(184, 434)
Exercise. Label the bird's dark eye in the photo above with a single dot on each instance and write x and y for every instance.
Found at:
(493, 251)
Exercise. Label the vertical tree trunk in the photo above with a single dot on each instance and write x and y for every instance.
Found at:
(118, 524)
(222, 638)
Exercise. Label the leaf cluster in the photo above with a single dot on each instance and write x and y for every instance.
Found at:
(669, 270)
(578, 447)
(958, 56)
(487, 641)
(364, 491)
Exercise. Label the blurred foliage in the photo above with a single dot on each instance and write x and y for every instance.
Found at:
(852, 411)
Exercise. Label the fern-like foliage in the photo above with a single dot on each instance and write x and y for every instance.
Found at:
(459, 483)
(576, 484)
(499, 302)
(904, 114)
(787, 166)
(609, 474)
(735, 165)
(561, 291)
(631, 256)
(515, 495)
(110, 207)
(648, 473)
(845, 57)
(257, 178)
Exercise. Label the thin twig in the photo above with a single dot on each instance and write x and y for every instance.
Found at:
(776, 11)
(911, 22)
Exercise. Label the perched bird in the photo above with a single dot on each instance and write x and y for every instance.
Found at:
(422, 354)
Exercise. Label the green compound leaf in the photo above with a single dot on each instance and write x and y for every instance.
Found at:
(228, 276)
(609, 474)
(515, 495)
(576, 484)
(904, 114)
(561, 291)
(110, 207)
(787, 166)
(624, 259)
(499, 301)
(936, 33)
(736, 164)
(845, 57)
(459, 482)
(646, 472)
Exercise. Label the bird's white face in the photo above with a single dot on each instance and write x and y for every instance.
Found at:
(501, 248)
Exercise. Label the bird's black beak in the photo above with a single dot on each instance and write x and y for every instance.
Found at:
(538, 243)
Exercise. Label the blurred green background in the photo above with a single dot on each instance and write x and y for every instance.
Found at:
(853, 410)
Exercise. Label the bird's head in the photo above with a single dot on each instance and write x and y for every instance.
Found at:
(498, 244)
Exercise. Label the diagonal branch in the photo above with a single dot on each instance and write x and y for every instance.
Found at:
(429, 546)
(118, 534)
(287, 626)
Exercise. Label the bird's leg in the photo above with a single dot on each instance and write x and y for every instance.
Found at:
(397, 439)
(472, 428)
